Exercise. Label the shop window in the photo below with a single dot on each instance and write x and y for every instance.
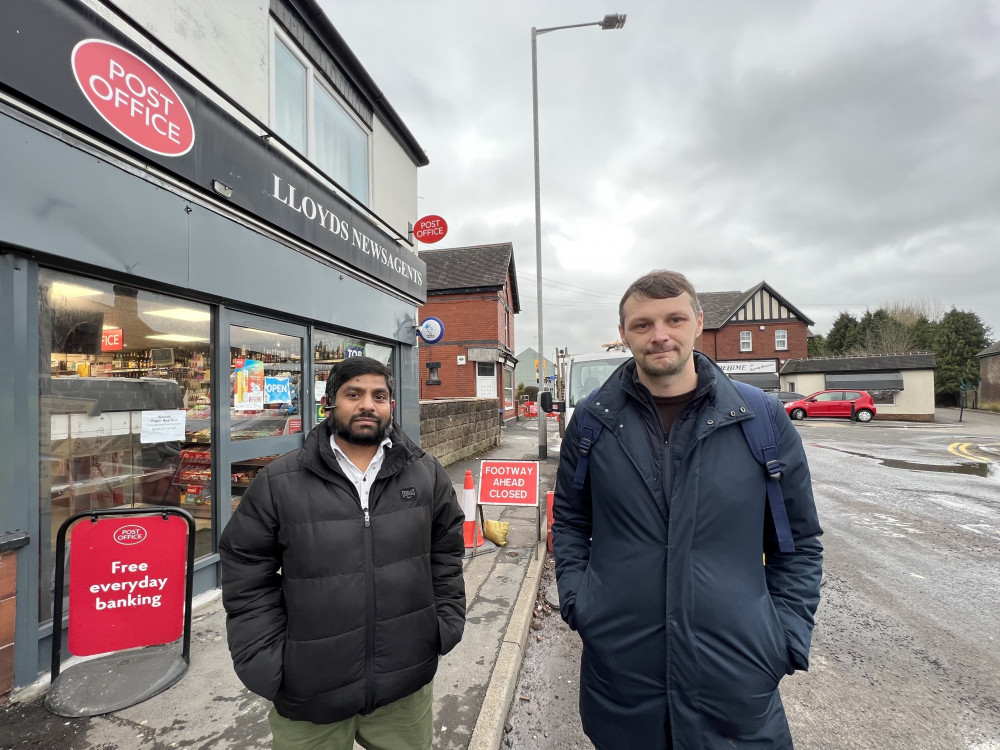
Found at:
(508, 388)
(781, 340)
(125, 397)
(264, 383)
(885, 397)
(310, 117)
(331, 348)
(746, 341)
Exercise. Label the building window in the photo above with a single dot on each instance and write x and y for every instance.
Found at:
(885, 397)
(309, 116)
(746, 341)
(508, 388)
(290, 97)
(781, 340)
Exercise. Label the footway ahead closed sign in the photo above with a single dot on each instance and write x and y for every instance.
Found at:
(508, 483)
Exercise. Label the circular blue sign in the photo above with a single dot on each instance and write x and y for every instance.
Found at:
(431, 330)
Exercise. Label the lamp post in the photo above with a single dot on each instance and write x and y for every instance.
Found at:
(610, 22)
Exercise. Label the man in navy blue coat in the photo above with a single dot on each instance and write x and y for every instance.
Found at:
(686, 634)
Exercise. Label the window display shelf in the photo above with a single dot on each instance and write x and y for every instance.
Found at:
(84, 486)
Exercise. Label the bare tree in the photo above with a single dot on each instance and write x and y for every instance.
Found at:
(909, 312)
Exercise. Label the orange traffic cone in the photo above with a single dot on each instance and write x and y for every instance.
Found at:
(473, 534)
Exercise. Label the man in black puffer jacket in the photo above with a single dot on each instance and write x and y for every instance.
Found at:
(342, 576)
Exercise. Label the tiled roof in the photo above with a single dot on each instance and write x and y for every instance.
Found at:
(914, 361)
(990, 350)
(457, 269)
(718, 307)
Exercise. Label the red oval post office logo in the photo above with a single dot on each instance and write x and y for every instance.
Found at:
(430, 229)
(130, 534)
(133, 98)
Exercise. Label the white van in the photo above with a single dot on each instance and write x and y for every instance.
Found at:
(587, 372)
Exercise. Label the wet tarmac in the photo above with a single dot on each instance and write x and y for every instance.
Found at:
(975, 468)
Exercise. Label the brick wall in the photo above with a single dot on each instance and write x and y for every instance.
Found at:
(454, 429)
(989, 374)
(9, 544)
(706, 344)
(726, 344)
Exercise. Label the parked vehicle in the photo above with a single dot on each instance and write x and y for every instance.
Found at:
(587, 372)
(785, 396)
(833, 404)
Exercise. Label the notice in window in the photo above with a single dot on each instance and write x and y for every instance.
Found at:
(248, 386)
(162, 426)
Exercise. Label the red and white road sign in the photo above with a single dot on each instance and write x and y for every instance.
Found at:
(508, 483)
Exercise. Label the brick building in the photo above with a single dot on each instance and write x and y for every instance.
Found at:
(989, 374)
(752, 334)
(473, 291)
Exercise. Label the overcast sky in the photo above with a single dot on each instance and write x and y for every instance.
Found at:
(845, 151)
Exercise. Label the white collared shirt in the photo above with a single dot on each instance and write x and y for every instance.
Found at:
(361, 479)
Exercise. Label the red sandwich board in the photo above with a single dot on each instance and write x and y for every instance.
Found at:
(127, 587)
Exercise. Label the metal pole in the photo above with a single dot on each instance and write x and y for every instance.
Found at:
(542, 436)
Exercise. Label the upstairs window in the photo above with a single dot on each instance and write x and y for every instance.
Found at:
(311, 119)
(746, 341)
(781, 340)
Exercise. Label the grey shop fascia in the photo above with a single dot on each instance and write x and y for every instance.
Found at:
(282, 250)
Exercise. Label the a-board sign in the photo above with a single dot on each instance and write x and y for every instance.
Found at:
(508, 483)
(127, 586)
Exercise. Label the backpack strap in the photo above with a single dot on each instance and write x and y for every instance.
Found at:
(765, 443)
(590, 429)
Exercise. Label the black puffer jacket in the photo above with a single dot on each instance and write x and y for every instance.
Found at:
(329, 617)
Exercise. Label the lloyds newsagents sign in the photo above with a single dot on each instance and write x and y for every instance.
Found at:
(312, 210)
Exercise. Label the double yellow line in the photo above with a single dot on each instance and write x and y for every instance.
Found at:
(962, 451)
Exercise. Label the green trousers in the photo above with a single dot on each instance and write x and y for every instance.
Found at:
(407, 724)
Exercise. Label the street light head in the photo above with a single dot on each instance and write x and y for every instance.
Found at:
(613, 21)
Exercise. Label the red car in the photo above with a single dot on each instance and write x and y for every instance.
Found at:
(833, 404)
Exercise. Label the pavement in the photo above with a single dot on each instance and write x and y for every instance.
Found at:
(210, 708)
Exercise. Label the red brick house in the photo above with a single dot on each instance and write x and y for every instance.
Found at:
(752, 334)
(473, 291)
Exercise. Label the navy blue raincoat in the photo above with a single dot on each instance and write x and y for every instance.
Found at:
(686, 634)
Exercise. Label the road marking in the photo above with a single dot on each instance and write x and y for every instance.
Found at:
(962, 451)
(916, 576)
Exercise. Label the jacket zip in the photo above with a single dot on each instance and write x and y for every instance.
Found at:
(370, 604)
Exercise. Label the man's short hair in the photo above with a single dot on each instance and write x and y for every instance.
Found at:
(659, 285)
(352, 367)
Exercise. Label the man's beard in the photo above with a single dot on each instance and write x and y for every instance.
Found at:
(661, 368)
(373, 437)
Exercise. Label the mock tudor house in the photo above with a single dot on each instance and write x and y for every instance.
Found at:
(752, 334)
(473, 292)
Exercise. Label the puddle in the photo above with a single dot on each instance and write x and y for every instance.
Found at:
(974, 468)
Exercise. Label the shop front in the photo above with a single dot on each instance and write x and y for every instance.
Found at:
(163, 341)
